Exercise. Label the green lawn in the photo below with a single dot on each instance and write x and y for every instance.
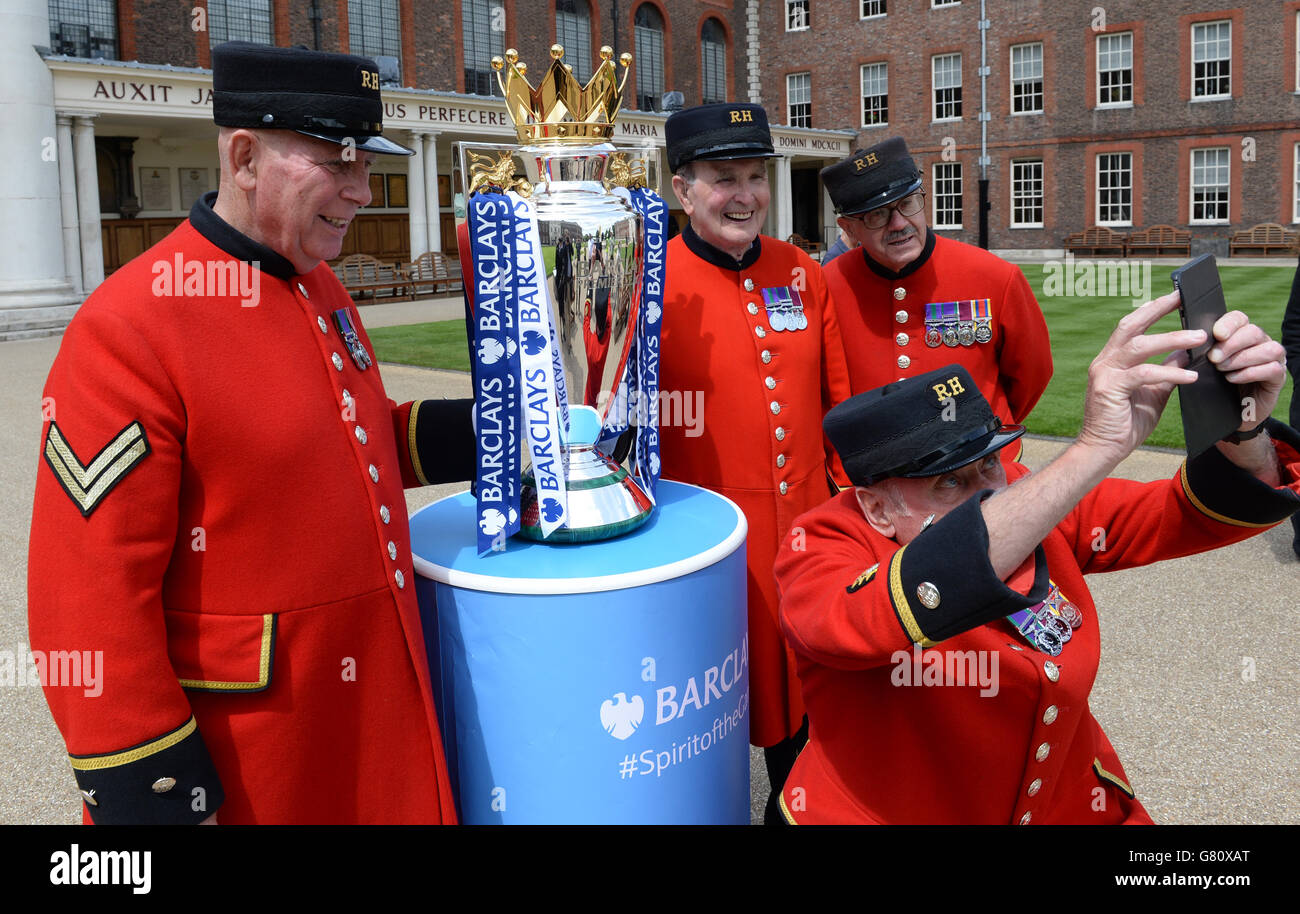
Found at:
(439, 344)
(1078, 326)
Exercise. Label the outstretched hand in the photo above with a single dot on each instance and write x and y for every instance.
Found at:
(1126, 393)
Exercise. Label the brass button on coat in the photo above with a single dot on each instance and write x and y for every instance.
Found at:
(928, 594)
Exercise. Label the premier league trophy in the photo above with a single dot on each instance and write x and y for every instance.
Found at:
(606, 682)
(566, 307)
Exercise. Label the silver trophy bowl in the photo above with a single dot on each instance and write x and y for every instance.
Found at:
(593, 244)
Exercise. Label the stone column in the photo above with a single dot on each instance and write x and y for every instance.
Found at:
(35, 293)
(415, 198)
(829, 227)
(784, 213)
(68, 202)
(430, 156)
(92, 245)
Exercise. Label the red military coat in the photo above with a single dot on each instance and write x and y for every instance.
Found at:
(759, 438)
(219, 509)
(882, 320)
(890, 742)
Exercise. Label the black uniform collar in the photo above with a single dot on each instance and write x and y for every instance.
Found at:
(885, 273)
(234, 242)
(707, 252)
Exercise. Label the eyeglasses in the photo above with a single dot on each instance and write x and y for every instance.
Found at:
(910, 205)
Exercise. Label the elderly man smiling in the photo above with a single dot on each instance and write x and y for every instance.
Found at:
(748, 323)
(219, 506)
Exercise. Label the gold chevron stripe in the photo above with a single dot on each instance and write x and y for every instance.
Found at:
(1112, 778)
(86, 474)
(87, 485)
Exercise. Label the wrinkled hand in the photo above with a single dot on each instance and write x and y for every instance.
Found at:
(1126, 393)
(1250, 358)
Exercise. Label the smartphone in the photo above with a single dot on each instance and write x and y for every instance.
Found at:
(1211, 405)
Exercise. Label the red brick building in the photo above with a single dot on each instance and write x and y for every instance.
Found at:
(122, 90)
(1126, 113)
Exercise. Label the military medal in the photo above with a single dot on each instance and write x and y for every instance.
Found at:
(965, 323)
(1050, 624)
(800, 318)
(784, 308)
(983, 318)
(950, 321)
(933, 325)
(343, 322)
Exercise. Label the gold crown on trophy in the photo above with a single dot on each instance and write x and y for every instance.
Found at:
(561, 109)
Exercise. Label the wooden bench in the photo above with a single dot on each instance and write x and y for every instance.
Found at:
(1159, 239)
(430, 271)
(1095, 240)
(365, 277)
(1262, 240)
(812, 248)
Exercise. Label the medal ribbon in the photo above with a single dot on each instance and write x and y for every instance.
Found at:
(496, 388)
(1048, 625)
(540, 425)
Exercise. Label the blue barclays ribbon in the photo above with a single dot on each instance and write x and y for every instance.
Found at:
(496, 387)
(541, 429)
(654, 215)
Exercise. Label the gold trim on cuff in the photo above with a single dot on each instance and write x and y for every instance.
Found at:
(100, 762)
(902, 607)
(1210, 512)
(412, 447)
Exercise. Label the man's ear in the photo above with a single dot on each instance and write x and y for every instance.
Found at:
(680, 188)
(876, 509)
(243, 150)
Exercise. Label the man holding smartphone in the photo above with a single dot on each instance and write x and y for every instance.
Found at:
(946, 640)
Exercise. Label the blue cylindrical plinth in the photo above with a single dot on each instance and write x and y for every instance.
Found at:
(597, 683)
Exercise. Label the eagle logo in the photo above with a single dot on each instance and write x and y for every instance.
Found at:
(619, 716)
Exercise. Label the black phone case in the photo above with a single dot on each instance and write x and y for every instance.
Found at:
(1211, 405)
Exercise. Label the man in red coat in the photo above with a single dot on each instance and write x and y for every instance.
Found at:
(911, 301)
(947, 642)
(749, 327)
(219, 512)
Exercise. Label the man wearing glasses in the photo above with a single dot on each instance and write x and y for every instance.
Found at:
(910, 301)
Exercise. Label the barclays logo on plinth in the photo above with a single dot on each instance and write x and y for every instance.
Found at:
(620, 716)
